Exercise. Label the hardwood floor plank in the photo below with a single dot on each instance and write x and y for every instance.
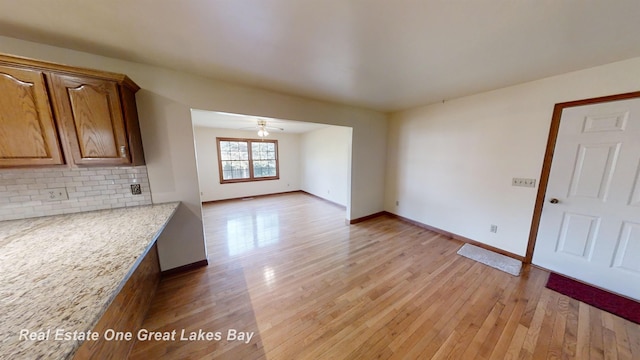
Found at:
(442, 319)
(555, 350)
(288, 269)
(427, 325)
(583, 350)
(496, 329)
(541, 349)
(533, 332)
(506, 336)
(570, 343)
(482, 301)
(515, 347)
(610, 348)
(527, 288)
(447, 346)
(622, 339)
(596, 334)
(633, 333)
(480, 336)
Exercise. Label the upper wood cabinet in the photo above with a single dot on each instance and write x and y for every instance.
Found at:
(91, 115)
(91, 119)
(28, 133)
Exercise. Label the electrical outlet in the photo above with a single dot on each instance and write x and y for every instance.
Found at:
(135, 189)
(524, 182)
(494, 228)
(57, 194)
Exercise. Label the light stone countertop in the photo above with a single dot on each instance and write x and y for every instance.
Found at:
(62, 272)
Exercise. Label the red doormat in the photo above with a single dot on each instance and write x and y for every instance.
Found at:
(615, 304)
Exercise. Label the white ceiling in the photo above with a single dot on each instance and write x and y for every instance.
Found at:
(381, 54)
(249, 123)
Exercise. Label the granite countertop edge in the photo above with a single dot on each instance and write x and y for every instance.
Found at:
(141, 257)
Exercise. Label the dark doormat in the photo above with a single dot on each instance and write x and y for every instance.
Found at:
(604, 300)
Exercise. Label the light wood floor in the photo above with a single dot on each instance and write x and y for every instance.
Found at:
(310, 287)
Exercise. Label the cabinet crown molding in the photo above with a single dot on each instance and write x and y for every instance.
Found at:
(122, 79)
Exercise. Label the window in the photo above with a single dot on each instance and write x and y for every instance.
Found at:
(247, 160)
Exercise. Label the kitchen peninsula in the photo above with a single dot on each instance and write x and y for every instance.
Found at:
(66, 271)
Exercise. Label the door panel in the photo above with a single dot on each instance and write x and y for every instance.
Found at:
(606, 122)
(93, 123)
(577, 233)
(27, 130)
(594, 168)
(592, 233)
(628, 253)
(634, 199)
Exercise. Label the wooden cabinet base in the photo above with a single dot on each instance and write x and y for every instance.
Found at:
(126, 312)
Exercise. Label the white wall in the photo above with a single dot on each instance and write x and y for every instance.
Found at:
(325, 159)
(450, 164)
(164, 105)
(209, 173)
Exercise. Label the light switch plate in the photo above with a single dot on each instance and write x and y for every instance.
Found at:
(524, 182)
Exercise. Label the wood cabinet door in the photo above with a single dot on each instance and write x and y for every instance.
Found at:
(28, 133)
(91, 119)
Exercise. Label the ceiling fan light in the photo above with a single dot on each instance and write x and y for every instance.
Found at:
(263, 132)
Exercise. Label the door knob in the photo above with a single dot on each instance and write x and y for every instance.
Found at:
(554, 201)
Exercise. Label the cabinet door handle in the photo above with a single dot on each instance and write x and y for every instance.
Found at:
(123, 151)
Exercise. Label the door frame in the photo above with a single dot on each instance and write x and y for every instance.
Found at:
(548, 158)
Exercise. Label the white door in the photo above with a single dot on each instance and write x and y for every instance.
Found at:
(590, 222)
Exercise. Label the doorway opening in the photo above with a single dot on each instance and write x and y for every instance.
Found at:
(311, 157)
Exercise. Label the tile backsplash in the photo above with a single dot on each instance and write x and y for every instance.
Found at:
(26, 193)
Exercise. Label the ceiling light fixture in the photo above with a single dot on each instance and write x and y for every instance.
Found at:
(262, 131)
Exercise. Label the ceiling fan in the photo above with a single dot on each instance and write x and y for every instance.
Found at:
(263, 128)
